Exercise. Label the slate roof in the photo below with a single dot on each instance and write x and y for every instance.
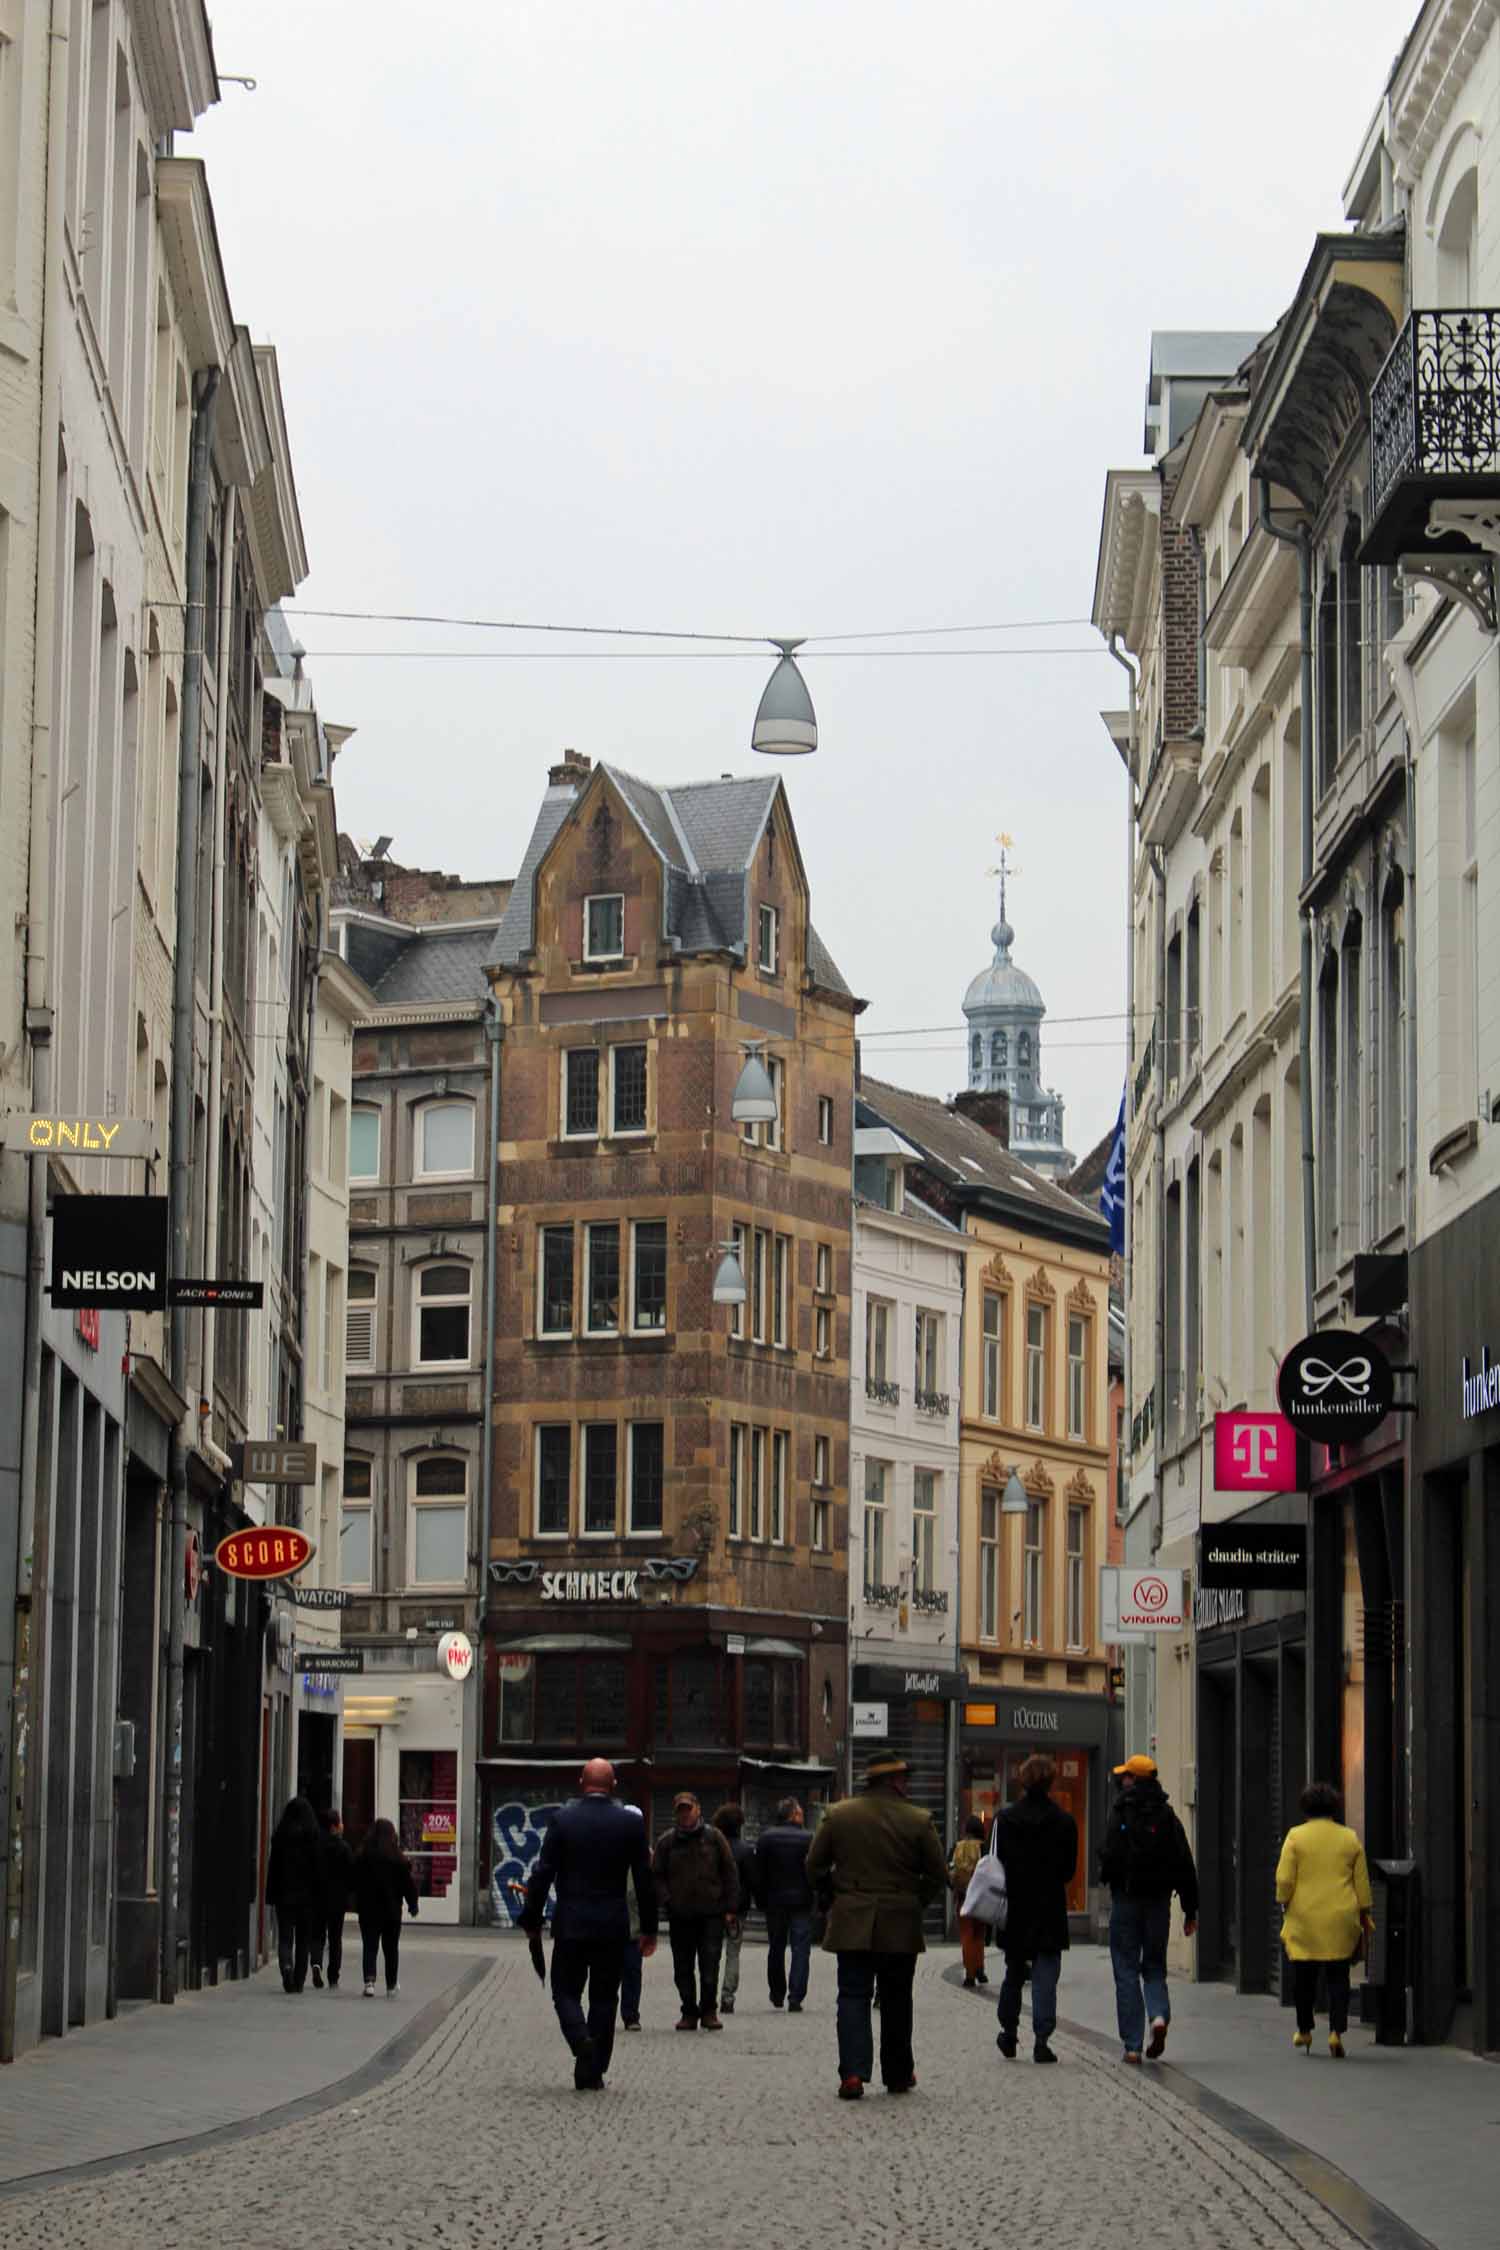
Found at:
(972, 1164)
(706, 833)
(436, 965)
(1087, 1177)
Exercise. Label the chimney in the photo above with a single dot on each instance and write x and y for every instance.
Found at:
(571, 773)
(992, 1111)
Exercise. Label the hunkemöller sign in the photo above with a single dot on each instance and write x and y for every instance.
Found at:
(1481, 1385)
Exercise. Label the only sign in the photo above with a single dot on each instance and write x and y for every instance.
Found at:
(456, 1655)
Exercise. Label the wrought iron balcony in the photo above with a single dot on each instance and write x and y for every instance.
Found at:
(1435, 438)
(931, 1402)
(931, 1602)
(1144, 1070)
(884, 1394)
(883, 1597)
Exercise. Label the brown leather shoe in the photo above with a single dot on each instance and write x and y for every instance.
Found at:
(687, 2023)
(709, 2021)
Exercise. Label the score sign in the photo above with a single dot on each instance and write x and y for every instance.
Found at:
(271, 1553)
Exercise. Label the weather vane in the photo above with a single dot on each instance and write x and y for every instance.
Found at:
(1005, 868)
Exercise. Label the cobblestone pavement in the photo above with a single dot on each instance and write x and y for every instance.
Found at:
(481, 2140)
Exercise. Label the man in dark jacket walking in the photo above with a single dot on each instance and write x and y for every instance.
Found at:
(881, 1858)
(590, 1852)
(293, 1887)
(785, 1894)
(1037, 1844)
(694, 1869)
(1145, 1858)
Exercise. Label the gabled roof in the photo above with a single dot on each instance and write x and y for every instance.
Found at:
(976, 1169)
(705, 833)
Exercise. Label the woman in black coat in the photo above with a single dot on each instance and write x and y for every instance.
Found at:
(294, 1888)
(382, 1879)
(1037, 1842)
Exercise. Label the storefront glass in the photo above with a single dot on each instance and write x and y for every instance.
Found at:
(429, 1818)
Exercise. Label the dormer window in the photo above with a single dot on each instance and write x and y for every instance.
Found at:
(770, 940)
(604, 927)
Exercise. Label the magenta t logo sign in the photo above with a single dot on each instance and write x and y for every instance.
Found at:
(1254, 1453)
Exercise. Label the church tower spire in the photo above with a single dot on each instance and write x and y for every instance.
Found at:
(1004, 1008)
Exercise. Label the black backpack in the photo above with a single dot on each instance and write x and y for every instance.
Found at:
(1150, 1853)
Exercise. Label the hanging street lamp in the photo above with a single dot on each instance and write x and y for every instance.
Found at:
(754, 1098)
(1017, 1500)
(729, 1278)
(785, 726)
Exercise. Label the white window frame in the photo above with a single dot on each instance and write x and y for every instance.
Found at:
(992, 1356)
(1078, 1378)
(738, 1450)
(1036, 1369)
(1077, 1622)
(768, 926)
(774, 1131)
(358, 1506)
(822, 1513)
(371, 1110)
(1034, 1576)
(823, 1270)
(617, 1131)
(822, 1455)
(632, 1529)
(603, 898)
(924, 1523)
(658, 1328)
(781, 1266)
(758, 1279)
(780, 1446)
(454, 1502)
(929, 1350)
(587, 1432)
(879, 1324)
(542, 1233)
(990, 1525)
(825, 1120)
(823, 1332)
(362, 1308)
(591, 1228)
(333, 1306)
(756, 1526)
(569, 1132)
(437, 1303)
(427, 1110)
(739, 1320)
(875, 1523)
(539, 1429)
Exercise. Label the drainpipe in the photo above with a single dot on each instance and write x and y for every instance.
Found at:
(210, 1347)
(1158, 1510)
(1301, 539)
(1127, 1434)
(38, 1008)
(184, 978)
(494, 1033)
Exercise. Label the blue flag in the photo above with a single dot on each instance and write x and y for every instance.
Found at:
(1112, 1194)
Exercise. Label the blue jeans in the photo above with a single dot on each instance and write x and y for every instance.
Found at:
(1046, 1968)
(783, 1929)
(859, 1976)
(630, 1983)
(1138, 1932)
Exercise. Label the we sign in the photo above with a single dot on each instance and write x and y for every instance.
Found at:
(1254, 1453)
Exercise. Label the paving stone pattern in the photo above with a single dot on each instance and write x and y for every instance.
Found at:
(481, 2140)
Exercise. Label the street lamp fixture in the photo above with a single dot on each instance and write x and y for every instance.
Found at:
(785, 726)
(1016, 1501)
(729, 1278)
(754, 1099)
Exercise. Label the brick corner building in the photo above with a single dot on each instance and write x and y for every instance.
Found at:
(666, 1577)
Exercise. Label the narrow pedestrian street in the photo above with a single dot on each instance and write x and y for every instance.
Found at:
(478, 2138)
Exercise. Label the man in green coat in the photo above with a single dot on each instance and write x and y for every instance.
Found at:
(880, 1859)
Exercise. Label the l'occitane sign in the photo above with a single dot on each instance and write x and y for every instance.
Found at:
(77, 1136)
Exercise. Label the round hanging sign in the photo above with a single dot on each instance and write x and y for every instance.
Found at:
(456, 1655)
(1335, 1386)
(269, 1551)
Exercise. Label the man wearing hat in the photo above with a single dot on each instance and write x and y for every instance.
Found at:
(881, 1859)
(1145, 1858)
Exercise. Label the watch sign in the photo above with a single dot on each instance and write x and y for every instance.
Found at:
(1254, 1453)
(1335, 1386)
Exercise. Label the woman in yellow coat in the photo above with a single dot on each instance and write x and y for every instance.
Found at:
(1324, 1887)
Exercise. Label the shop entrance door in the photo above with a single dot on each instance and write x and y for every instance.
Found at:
(359, 1787)
(429, 1825)
(1218, 1869)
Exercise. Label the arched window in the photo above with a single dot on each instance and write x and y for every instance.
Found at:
(445, 1140)
(442, 1316)
(1002, 1050)
(1023, 1051)
(1458, 243)
(438, 1521)
(978, 1055)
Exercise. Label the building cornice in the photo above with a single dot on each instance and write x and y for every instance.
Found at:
(174, 47)
(437, 1011)
(276, 524)
(1430, 75)
(1128, 539)
(1210, 456)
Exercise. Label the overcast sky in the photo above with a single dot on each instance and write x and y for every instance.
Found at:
(823, 318)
